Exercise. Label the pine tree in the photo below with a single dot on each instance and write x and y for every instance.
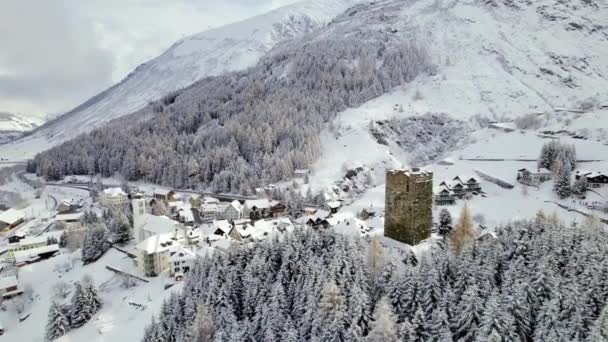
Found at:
(464, 233)
(57, 323)
(580, 186)
(121, 228)
(384, 325)
(329, 324)
(561, 184)
(95, 243)
(445, 222)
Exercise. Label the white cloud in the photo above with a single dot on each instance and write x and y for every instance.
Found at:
(56, 54)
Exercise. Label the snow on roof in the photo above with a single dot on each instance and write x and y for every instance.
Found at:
(224, 225)
(12, 216)
(594, 174)
(9, 281)
(413, 171)
(242, 222)
(237, 205)
(69, 217)
(180, 253)
(28, 241)
(186, 215)
(114, 192)
(21, 256)
(259, 203)
(157, 243)
(264, 229)
(465, 178)
(158, 224)
(334, 204)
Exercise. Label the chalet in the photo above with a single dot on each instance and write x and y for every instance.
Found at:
(9, 287)
(456, 187)
(471, 183)
(181, 261)
(444, 196)
(225, 229)
(164, 195)
(366, 213)
(594, 179)
(113, 197)
(333, 206)
(256, 209)
(277, 209)
(319, 219)
(533, 177)
(11, 219)
(210, 211)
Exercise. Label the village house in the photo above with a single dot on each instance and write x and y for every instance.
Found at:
(594, 179)
(533, 177)
(444, 196)
(164, 195)
(265, 229)
(181, 261)
(309, 211)
(11, 219)
(113, 197)
(319, 219)
(456, 187)
(277, 209)
(225, 229)
(66, 207)
(256, 209)
(186, 216)
(367, 213)
(333, 206)
(9, 287)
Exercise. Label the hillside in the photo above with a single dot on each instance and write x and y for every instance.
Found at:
(233, 47)
(13, 126)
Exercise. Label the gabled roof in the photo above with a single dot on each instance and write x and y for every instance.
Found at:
(334, 204)
(179, 253)
(157, 243)
(222, 225)
(158, 224)
(162, 192)
(259, 203)
(12, 216)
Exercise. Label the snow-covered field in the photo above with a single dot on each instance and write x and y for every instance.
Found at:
(117, 320)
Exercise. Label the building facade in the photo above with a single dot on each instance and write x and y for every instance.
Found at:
(408, 205)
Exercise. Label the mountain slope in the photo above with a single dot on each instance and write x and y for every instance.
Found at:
(214, 52)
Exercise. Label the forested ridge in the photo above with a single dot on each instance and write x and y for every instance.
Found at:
(540, 280)
(245, 129)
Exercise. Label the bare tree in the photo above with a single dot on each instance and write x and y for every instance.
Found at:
(464, 232)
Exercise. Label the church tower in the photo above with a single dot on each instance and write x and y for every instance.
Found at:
(139, 218)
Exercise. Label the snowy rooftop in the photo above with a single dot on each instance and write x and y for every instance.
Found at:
(114, 192)
(186, 215)
(69, 217)
(209, 200)
(21, 256)
(162, 192)
(30, 240)
(259, 203)
(9, 281)
(180, 253)
(334, 204)
(158, 243)
(158, 224)
(224, 225)
(12, 216)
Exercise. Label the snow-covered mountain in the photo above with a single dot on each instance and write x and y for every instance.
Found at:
(233, 47)
(12, 126)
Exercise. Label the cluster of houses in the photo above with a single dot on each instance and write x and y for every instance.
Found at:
(460, 187)
(198, 225)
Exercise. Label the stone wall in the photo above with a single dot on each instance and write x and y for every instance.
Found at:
(408, 205)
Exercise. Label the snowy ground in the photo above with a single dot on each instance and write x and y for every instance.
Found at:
(117, 320)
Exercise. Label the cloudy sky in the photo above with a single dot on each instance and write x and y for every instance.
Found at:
(54, 54)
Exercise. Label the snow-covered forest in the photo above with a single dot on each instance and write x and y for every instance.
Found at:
(240, 130)
(539, 280)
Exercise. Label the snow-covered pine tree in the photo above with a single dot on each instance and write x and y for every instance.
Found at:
(120, 227)
(562, 175)
(599, 332)
(57, 323)
(95, 242)
(384, 325)
(445, 223)
(579, 187)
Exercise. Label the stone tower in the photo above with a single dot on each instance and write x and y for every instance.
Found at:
(139, 218)
(408, 205)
